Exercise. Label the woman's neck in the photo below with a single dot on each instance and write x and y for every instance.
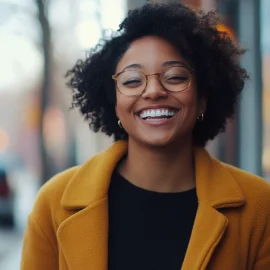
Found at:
(164, 169)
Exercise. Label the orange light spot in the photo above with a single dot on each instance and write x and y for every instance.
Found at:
(226, 29)
(4, 141)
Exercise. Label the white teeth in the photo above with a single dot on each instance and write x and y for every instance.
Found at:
(144, 114)
(156, 113)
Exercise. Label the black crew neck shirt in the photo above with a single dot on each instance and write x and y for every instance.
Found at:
(148, 230)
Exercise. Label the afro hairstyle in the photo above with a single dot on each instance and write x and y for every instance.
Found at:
(213, 55)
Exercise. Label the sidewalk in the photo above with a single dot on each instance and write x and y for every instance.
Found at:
(13, 258)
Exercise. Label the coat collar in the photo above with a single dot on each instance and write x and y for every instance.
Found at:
(215, 184)
(89, 227)
(91, 181)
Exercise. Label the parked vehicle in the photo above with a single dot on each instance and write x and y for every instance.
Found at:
(6, 199)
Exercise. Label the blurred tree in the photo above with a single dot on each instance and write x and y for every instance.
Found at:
(47, 168)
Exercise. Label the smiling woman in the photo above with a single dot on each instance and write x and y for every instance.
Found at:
(163, 86)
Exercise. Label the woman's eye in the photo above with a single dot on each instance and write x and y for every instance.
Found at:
(132, 83)
(176, 79)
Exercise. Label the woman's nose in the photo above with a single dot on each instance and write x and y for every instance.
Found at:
(154, 89)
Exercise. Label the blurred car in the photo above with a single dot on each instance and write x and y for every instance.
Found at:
(6, 199)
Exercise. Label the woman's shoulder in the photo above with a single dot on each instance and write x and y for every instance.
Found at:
(253, 186)
(77, 178)
(50, 193)
(58, 182)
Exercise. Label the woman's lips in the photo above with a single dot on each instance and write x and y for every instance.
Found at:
(157, 121)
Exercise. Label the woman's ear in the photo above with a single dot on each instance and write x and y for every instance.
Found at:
(202, 105)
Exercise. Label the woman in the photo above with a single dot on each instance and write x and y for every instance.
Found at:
(163, 86)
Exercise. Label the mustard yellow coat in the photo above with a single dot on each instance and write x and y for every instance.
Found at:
(68, 226)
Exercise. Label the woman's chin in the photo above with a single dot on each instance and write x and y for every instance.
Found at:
(158, 140)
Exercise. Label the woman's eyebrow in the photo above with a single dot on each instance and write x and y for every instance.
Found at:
(133, 66)
(170, 63)
(165, 64)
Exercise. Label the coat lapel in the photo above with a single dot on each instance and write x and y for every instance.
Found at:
(216, 189)
(208, 230)
(83, 237)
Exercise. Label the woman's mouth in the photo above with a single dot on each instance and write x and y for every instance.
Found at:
(158, 116)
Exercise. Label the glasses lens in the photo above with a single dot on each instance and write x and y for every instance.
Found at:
(131, 82)
(176, 79)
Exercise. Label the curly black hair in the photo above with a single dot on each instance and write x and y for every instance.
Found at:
(213, 54)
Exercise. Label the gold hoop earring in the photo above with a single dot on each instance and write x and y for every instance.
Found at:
(119, 124)
(200, 117)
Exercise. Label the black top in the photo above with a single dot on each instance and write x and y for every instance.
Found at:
(148, 230)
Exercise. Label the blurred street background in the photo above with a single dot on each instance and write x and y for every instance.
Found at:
(40, 136)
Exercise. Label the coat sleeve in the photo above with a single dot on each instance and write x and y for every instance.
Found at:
(38, 250)
(263, 259)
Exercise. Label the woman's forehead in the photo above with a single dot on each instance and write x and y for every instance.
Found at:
(150, 52)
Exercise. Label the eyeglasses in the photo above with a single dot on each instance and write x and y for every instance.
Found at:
(134, 82)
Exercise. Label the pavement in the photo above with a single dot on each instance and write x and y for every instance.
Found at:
(10, 249)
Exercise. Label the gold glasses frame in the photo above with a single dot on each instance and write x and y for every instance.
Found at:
(115, 78)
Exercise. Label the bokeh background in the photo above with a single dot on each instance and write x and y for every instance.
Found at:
(39, 134)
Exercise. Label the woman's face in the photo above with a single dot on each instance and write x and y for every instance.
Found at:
(147, 118)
